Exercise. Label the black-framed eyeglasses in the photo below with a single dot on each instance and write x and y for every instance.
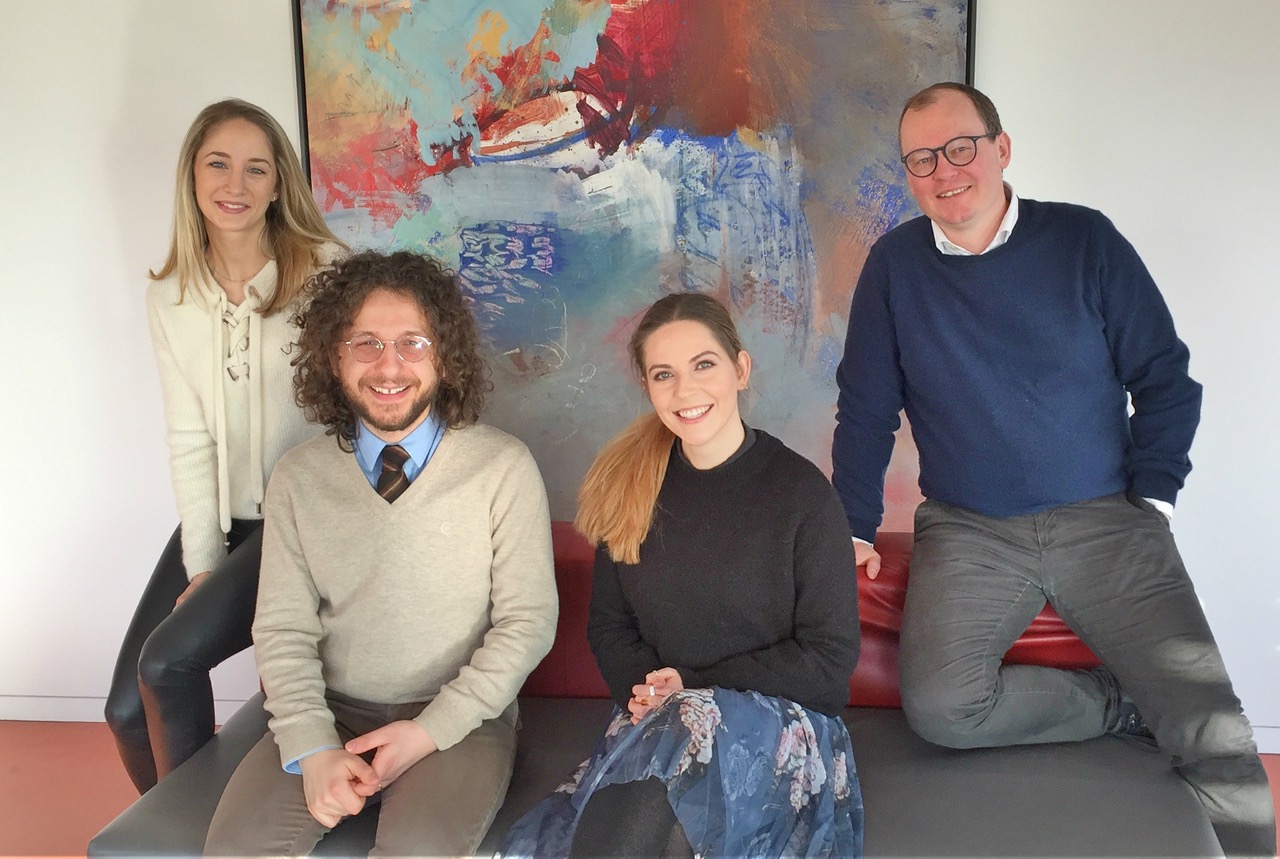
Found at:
(366, 348)
(958, 150)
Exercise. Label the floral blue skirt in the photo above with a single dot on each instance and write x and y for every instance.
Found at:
(746, 775)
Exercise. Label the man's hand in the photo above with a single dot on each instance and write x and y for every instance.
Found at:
(399, 746)
(196, 581)
(866, 556)
(335, 783)
(650, 694)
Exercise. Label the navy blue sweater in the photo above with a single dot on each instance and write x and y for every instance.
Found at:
(1015, 368)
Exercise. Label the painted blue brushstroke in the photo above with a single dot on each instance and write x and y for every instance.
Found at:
(524, 281)
(887, 203)
(507, 270)
(739, 211)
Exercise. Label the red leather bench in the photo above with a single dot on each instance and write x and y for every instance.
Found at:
(569, 670)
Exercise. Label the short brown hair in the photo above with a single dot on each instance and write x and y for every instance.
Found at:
(927, 96)
(334, 297)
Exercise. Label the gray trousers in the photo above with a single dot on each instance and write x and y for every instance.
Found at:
(441, 806)
(1112, 572)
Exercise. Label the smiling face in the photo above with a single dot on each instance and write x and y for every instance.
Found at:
(693, 384)
(235, 178)
(966, 202)
(392, 396)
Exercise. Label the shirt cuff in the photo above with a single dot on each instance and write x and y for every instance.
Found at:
(1165, 508)
(295, 766)
(857, 540)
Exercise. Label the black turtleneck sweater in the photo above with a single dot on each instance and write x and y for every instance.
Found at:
(745, 581)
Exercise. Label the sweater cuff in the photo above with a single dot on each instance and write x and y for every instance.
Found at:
(690, 678)
(297, 741)
(203, 556)
(445, 727)
(1156, 485)
(863, 529)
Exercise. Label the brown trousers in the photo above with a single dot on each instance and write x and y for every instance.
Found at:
(441, 806)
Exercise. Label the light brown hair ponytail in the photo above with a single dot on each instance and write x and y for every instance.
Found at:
(619, 493)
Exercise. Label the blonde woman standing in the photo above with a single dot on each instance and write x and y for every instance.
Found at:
(247, 236)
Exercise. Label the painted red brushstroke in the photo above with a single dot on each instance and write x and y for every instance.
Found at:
(710, 82)
(680, 63)
(629, 83)
(631, 74)
(520, 73)
(374, 170)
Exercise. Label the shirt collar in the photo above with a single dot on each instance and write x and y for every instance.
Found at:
(1007, 223)
(419, 444)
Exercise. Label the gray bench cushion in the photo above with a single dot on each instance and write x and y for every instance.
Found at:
(1104, 797)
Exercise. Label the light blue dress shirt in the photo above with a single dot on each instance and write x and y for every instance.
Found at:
(420, 444)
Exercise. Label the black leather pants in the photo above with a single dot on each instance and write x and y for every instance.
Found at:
(160, 707)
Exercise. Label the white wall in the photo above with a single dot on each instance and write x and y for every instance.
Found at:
(95, 99)
(1163, 114)
(1143, 109)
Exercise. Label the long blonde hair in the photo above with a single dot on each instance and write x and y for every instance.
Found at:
(620, 492)
(294, 230)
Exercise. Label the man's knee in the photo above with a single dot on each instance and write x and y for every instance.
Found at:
(940, 714)
(1221, 735)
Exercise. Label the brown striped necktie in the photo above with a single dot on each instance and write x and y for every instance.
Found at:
(393, 481)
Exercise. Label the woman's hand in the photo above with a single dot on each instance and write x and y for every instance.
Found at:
(655, 689)
(196, 581)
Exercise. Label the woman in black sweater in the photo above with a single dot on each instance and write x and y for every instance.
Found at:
(724, 619)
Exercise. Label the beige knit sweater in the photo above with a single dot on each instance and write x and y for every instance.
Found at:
(447, 596)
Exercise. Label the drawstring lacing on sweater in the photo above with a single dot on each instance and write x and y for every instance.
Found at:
(236, 356)
(238, 335)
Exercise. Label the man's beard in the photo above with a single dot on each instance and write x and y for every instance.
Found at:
(416, 409)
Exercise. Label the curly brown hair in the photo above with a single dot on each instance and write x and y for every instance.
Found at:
(331, 301)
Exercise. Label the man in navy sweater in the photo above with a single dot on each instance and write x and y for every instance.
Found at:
(1015, 333)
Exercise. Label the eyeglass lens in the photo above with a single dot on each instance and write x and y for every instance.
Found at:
(960, 151)
(366, 350)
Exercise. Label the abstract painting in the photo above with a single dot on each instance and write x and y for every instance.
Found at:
(574, 160)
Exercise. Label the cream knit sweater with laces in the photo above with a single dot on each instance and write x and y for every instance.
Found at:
(228, 403)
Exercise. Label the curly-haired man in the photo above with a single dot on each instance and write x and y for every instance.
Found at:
(407, 585)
